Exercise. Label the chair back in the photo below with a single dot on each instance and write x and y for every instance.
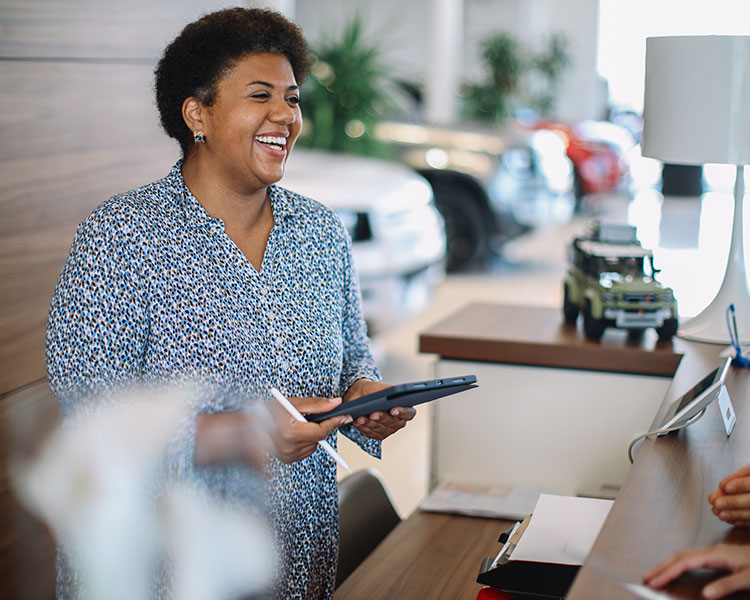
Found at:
(366, 516)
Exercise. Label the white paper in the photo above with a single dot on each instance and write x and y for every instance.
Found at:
(562, 529)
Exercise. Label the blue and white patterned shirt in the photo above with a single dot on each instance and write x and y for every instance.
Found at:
(153, 289)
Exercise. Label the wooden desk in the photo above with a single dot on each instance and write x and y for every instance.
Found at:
(430, 556)
(661, 508)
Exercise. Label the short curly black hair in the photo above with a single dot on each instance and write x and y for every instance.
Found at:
(196, 60)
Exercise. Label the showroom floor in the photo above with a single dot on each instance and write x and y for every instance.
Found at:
(688, 244)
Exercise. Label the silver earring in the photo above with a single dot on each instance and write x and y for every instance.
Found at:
(199, 137)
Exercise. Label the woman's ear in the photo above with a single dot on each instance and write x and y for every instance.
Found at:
(192, 114)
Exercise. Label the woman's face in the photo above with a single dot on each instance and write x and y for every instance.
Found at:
(253, 123)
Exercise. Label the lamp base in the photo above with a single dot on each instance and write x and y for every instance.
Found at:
(710, 325)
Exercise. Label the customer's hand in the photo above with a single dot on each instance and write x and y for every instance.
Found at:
(378, 425)
(295, 440)
(731, 501)
(722, 557)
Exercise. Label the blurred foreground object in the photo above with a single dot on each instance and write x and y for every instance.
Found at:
(104, 485)
(695, 112)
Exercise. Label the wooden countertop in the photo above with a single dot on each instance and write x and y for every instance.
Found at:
(539, 336)
(428, 555)
(662, 506)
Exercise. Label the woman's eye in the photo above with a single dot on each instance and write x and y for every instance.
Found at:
(261, 95)
(293, 100)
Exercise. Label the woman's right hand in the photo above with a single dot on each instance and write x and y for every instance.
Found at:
(247, 437)
(295, 440)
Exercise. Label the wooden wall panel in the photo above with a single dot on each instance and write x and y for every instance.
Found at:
(75, 134)
(99, 29)
(77, 126)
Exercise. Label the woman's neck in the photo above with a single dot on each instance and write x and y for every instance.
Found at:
(241, 210)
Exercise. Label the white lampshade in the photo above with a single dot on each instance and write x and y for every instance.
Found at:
(697, 111)
(697, 100)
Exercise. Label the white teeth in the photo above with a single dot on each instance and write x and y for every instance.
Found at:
(267, 139)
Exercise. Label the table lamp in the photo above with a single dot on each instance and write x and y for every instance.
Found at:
(697, 111)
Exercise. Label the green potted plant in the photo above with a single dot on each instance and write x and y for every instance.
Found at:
(516, 77)
(492, 99)
(344, 96)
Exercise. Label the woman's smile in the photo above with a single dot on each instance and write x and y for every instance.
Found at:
(257, 100)
(273, 143)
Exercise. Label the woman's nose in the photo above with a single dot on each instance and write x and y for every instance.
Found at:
(283, 113)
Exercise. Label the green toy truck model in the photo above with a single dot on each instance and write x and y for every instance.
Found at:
(610, 282)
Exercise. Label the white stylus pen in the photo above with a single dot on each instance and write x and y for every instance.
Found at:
(298, 415)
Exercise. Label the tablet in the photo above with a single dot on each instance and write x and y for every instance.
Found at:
(696, 398)
(404, 394)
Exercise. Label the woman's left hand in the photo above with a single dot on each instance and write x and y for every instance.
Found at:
(378, 425)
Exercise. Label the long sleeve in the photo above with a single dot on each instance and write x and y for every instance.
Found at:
(357, 358)
(98, 321)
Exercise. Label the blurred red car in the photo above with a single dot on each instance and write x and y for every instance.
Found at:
(598, 151)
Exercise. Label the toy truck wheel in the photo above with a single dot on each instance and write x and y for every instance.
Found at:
(667, 330)
(592, 327)
(570, 310)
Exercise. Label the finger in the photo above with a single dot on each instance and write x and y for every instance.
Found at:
(375, 428)
(328, 426)
(680, 563)
(308, 406)
(741, 472)
(386, 422)
(293, 435)
(371, 420)
(405, 413)
(727, 585)
(733, 502)
(740, 485)
(734, 516)
(659, 569)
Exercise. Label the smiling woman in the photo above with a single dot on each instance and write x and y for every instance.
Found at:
(216, 275)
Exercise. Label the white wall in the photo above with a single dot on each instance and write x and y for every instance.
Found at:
(403, 28)
(399, 26)
(583, 94)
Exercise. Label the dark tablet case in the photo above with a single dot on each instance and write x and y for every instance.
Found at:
(405, 394)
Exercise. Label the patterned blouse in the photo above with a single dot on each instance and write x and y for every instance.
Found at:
(153, 289)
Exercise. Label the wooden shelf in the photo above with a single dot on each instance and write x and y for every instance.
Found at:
(538, 336)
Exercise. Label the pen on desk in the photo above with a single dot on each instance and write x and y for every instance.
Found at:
(299, 417)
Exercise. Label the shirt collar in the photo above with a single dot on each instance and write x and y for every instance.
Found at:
(282, 202)
(195, 214)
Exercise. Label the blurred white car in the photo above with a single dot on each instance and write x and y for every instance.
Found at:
(397, 232)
